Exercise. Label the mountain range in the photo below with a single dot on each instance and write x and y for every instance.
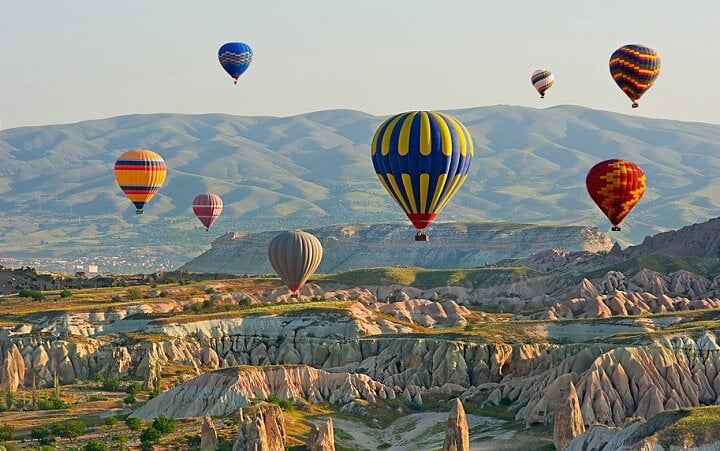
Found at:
(310, 170)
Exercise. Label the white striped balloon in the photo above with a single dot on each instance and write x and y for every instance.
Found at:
(542, 79)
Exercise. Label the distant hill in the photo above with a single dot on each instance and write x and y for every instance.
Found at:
(451, 245)
(58, 192)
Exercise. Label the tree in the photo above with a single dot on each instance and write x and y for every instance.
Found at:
(133, 389)
(111, 384)
(150, 435)
(164, 425)
(68, 429)
(95, 445)
(134, 293)
(7, 431)
(110, 421)
(65, 293)
(133, 423)
(121, 441)
(40, 433)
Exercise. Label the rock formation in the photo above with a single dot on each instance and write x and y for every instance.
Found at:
(322, 437)
(454, 245)
(568, 418)
(208, 435)
(222, 392)
(261, 428)
(252, 435)
(457, 435)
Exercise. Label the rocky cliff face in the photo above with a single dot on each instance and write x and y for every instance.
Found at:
(697, 240)
(457, 434)
(223, 392)
(322, 438)
(452, 245)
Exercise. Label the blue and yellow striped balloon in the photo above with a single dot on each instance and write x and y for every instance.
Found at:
(422, 159)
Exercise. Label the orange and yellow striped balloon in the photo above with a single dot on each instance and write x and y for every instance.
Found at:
(140, 174)
(616, 186)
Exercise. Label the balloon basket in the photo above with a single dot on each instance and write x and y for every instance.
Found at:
(635, 105)
(421, 237)
(615, 229)
(138, 212)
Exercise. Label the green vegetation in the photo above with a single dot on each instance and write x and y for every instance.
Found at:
(51, 404)
(133, 389)
(110, 384)
(68, 429)
(695, 427)
(7, 431)
(34, 294)
(65, 293)
(110, 421)
(150, 435)
(164, 425)
(430, 278)
(133, 423)
(95, 445)
(134, 293)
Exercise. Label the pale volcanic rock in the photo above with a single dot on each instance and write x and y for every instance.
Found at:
(252, 435)
(569, 421)
(12, 370)
(426, 313)
(322, 438)
(457, 435)
(222, 392)
(208, 435)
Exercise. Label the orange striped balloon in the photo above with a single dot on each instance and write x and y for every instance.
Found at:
(616, 186)
(140, 174)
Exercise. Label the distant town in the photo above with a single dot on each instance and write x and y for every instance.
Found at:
(93, 265)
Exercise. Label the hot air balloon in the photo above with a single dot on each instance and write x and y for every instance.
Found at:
(616, 186)
(207, 208)
(422, 159)
(634, 68)
(235, 58)
(140, 174)
(542, 79)
(295, 255)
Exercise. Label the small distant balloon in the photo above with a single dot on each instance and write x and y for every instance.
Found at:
(634, 68)
(207, 207)
(235, 58)
(616, 186)
(295, 255)
(140, 174)
(542, 80)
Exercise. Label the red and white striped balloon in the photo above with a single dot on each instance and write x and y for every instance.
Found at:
(207, 208)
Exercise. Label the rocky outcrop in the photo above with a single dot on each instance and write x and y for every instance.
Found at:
(697, 240)
(568, 418)
(252, 435)
(322, 438)
(224, 391)
(208, 435)
(12, 371)
(453, 245)
(261, 428)
(457, 434)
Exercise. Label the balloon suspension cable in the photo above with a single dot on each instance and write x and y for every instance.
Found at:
(635, 105)
(615, 229)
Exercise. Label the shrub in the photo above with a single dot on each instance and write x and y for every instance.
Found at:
(65, 293)
(110, 421)
(246, 302)
(134, 293)
(121, 441)
(133, 389)
(133, 423)
(111, 384)
(116, 298)
(164, 425)
(164, 294)
(51, 404)
(98, 377)
(286, 404)
(209, 290)
(207, 304)
(95, 445)
(75, 428)
(92, 398)
(7, 431)
(34, 294)
(150, 435)
(129, 399)
(193, 441)
(40, 433)
(468, 327)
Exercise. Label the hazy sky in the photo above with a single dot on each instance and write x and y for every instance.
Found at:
(67, 61)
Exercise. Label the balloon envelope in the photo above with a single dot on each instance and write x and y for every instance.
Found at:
(140, 174)
(616, 186)
(207, 207)
(295, 255)
(422, 159)
(634, 68)
(542, 80)
(235, 58)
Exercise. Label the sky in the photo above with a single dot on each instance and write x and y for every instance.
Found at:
(75, 60)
